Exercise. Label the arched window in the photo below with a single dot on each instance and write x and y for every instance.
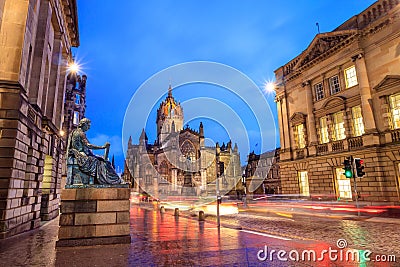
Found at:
(163, 170)
(188, 150)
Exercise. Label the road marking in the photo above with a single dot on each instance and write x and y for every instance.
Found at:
(263, 234)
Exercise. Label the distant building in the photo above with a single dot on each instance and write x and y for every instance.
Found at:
(179, 163)
(262, 173)
(339, 98)
(36, 40)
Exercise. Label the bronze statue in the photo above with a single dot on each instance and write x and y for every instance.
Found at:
(82, 165)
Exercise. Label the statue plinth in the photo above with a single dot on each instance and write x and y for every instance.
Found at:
(94, 215)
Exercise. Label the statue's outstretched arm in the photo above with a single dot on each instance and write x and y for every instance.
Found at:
(91, 146)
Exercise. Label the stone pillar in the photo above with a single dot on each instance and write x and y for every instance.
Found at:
(12, 33)
(371, 136)
(365, 92)
(312, 133)
(286, 123)
(278, 101)
(37, 92)
(54, 81)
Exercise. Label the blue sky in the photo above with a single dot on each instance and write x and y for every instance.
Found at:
(123, 43)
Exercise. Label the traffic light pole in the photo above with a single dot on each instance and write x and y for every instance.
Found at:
(355, 184)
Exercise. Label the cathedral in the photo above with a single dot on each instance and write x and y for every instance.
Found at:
(178, 163)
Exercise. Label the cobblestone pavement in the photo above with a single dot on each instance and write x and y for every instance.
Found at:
(379, 237)
(165, 240)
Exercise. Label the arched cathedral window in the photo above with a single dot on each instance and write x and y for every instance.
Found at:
(188, 150)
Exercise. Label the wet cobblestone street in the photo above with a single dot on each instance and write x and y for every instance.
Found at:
(166, 240)
(383, 238)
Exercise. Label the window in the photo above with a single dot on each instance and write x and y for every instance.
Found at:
(323, 131)
(319, 91)
(358, 124)
(77, 99)
(334, 84)
(188, 150)
(343, 186)
(75, 120)
(303, 183)
(338, 126)
(350, 76)
(394, 101)
(301, 142)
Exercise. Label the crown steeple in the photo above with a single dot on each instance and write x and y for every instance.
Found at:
(170, 91)
(169, 117)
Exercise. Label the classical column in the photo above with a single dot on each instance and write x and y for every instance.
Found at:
(312, 133)
(54, 80)
(365, 92)
(278, 101)
(286, 153)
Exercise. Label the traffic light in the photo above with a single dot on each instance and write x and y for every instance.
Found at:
(359, 167)
(347, 168)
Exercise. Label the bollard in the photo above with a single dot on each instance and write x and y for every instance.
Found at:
(162, 209)
(176, 213)
(202, 217)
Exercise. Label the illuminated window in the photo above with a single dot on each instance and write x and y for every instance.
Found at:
(394, 101)
(77, 99)
(358, 124)
(75, 120)
(301, 142)
(303, 183)
(334, 85)
(350, 76)
(319, 91)
(343, 186)
(323, 131)
(338, 126)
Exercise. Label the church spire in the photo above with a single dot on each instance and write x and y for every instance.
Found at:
(170, 91)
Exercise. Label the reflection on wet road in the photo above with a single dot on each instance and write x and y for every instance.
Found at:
(166, 240)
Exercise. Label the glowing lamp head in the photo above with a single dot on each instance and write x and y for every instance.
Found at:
(269, 87)
(73, 67)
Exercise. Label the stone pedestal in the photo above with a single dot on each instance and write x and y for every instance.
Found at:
(94, 216)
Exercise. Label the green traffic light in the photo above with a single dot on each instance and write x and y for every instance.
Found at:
(348, 174)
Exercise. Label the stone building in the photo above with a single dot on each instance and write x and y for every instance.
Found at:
(36, 39)
(262, 173)
(179, 163)
(341, 97)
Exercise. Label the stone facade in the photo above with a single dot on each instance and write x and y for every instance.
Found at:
(179, 163)
(37, 37)
(337, 99)
(262, 173)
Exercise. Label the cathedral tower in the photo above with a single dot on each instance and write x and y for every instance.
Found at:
(169, 117)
